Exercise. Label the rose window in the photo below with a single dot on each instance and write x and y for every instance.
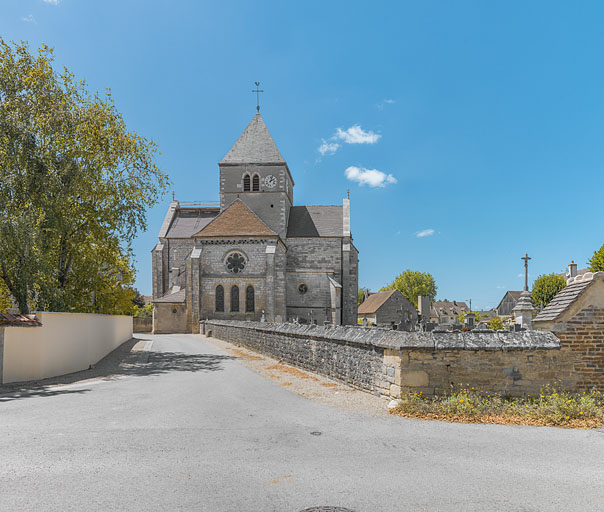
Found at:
(235, 263)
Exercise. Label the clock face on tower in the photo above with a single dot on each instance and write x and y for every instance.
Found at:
(270, 181)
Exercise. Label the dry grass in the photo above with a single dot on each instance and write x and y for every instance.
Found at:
(252, 357)
(552, 407)
(291, 371)
(328, 384)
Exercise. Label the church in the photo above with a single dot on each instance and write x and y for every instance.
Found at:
(254, 255)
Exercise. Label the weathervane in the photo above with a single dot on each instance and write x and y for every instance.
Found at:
(257, 91)
(526, 259)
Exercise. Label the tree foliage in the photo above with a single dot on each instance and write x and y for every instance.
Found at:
(5, 300)
(496, 323)
(545, 288)
(596, 263)
(412, 283)
(361, 295)
(75, 185)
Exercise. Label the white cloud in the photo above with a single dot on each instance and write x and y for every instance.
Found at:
(371, 177)
(500, 287)
(385, 102)
(356, 135)
(29, 18)
(328, 148)
(51, 2)
(424, 232)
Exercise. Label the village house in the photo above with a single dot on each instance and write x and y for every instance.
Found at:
(387, 308)
(447, 312)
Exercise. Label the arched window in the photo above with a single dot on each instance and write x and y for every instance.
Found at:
(256, 183)
(219, 299)
(246, 183)
(235, 299)
(249, 299)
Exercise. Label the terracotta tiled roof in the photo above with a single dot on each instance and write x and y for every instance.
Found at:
(255, 145)
(449, 308)
(374, 302)
(236, 220)
(20, 320)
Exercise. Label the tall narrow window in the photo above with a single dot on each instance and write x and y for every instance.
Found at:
(235, 299)
(249, 299)
(246, 183)
(256, 183)
(219, 299)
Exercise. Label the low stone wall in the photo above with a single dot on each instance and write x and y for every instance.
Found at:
(64, 343)
(142, 324)
(387, 362)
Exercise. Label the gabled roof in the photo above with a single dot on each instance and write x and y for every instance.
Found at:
(563, 299)
(172, 298)
(236, 220)
(449, 308)
(513, 293)
(375, 301)
(254, 146)
(189, 221)
(315, 221)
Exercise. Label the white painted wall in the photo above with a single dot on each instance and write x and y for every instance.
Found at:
(65, 343)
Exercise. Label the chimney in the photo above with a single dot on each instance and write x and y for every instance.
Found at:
(423, 306)
(572, 269)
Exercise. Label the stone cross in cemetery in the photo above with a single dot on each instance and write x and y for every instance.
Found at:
(526, 259)
(525, 309)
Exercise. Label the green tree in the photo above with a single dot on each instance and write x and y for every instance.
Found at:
(412, 283)
(546, 287)
(145, 312)
(361, 295)
(596, 263)
(75, 186)
(5, 301)
(496, 323)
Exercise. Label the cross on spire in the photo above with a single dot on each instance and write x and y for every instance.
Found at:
(257, 91)
(526, 259)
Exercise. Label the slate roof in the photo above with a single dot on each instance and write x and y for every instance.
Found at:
(191, 221)
(236, 220)
(563, 299)
(18, 320)
(254, 146)
(178, 296)
(315, 221)
(374, 302)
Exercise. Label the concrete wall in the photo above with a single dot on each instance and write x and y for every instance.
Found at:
(170, 317)
(65, 343)
(387, 362)
(142, 324)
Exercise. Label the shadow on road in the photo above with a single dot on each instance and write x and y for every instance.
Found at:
(123, 361)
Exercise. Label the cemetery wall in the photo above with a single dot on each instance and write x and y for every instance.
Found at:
(387, 362)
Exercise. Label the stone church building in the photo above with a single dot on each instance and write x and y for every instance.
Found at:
(255, 256)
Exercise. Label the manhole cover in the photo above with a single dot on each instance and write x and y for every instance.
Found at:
(327, 509)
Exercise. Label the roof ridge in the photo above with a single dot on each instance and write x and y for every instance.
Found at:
(220, 215)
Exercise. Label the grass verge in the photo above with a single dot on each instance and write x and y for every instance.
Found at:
(552, 407)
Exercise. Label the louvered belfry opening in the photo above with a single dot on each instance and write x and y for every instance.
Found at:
(219, 299)
(256, 183)
(246, 183)
(249, 299)
(235, 299)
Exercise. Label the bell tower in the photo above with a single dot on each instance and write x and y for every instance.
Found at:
(255, 172)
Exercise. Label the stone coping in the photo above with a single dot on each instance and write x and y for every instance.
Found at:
(390, 339)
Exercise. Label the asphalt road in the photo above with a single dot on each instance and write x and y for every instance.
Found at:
(193, 429)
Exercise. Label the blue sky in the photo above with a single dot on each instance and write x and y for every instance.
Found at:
(483, 121)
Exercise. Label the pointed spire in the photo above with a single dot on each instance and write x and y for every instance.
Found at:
(254, 146)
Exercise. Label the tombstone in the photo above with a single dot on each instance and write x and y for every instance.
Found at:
(364, 321)
(469, 320)
(263, 318)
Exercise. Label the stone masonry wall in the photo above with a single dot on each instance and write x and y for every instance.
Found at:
(387, 362)
(582, 340)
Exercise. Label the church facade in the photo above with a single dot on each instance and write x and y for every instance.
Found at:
(254, 256)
